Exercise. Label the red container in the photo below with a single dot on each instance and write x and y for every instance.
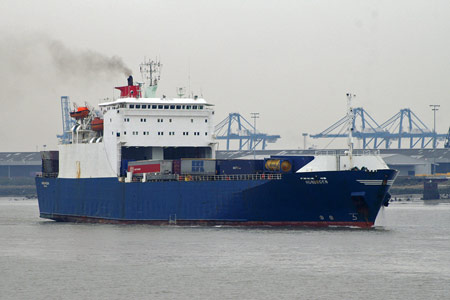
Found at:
(147, 168)
(176, 166)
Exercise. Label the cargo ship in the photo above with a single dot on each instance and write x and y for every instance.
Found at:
(151, 160)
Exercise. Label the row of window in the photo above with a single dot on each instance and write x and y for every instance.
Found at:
(155, 106)
(160, 106)
(159, 133)
(158, 120)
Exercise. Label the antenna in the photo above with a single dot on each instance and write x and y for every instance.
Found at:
(150, 71)
(181, 91)
(151, 74)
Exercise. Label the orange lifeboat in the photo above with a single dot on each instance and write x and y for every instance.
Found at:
(81, 113)
(97, 124)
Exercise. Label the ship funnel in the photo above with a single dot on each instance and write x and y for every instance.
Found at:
(130, 80)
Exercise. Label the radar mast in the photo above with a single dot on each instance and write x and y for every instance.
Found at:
(151, 74)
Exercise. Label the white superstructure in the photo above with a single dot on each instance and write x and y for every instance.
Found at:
(139, 128)
(178, 122)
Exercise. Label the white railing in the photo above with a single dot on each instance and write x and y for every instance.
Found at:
(229, 177)
(176, 177)
(360, 152)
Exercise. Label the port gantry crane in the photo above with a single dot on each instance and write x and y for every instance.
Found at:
(447, 140)
(67, 121)
(245, 132)
(403, 125)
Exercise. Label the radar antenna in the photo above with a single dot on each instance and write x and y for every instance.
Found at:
(181, 91)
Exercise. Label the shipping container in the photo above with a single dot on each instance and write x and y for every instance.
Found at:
(124, 166)
(239, 166)
(277, 165)
(50, 166)
(298, 162)
(50, 161)
(150, 166)
(176, 166)
(198, 166)
(51, 155)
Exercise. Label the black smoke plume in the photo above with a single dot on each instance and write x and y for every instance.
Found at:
(78, 62)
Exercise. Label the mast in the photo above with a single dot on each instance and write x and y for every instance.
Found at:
(350, 118)
(151, 74)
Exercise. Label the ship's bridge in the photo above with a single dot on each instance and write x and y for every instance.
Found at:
(159, 128)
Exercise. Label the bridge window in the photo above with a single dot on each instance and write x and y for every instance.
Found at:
(172, 107)
(160, 107)
(200, 107)
(144, 106)
(178, 106)
(131, 105)
(188, 107)
(194, 106)
(166, 106)
(154, 106)
(138, 106)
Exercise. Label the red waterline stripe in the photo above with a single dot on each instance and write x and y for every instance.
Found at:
(79, 219)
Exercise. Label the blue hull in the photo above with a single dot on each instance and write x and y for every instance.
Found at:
(311, 199)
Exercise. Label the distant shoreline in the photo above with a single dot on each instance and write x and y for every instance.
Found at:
(18, 187)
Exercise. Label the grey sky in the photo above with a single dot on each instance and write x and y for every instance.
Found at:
(292, 61)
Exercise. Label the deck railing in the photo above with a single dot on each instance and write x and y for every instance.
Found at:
(229, 177)
(358, 152)
(177, 177)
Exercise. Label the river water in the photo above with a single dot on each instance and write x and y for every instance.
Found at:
(407, 256)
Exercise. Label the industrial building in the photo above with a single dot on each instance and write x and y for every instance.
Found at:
(19, 164)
